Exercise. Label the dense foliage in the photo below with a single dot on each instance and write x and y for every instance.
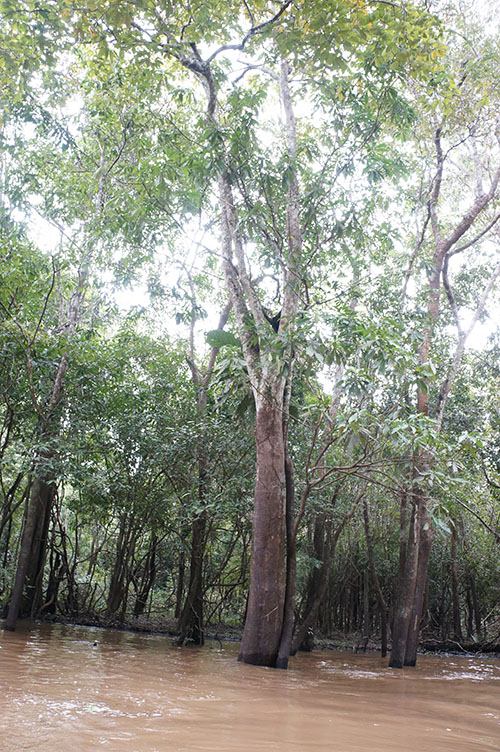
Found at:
(238, 234)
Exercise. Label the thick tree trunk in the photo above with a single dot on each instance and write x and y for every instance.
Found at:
(263, 625)
(413, 578)
(291, 568)
(424, 551)
(407, 576)
(26, 595)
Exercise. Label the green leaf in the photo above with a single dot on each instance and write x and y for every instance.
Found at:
(218, 338)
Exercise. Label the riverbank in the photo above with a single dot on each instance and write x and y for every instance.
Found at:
(224, 632)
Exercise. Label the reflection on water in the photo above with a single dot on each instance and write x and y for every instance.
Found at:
(79, 689)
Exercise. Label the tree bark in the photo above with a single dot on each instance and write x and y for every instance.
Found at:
(404, 603)
(190, 624)
(263, 626)
(425, 535)
(291, 568)
(457, 625)
(26, 593)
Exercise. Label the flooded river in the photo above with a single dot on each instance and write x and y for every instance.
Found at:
(75, 689)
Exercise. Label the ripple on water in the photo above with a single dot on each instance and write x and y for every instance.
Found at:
(130, 693)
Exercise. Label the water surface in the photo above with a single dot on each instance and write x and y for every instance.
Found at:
(73, 689)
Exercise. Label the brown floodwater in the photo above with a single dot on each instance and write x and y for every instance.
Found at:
(76, 689)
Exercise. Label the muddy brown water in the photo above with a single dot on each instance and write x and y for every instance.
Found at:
(72, 689)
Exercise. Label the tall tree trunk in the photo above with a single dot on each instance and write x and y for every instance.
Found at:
(291, 568)
(26, 594)
(457, 626)
(407, 576)
(190, 619)
(409, 610)
(31, 558)
(263, 626)
(425, 535)
(190, 624)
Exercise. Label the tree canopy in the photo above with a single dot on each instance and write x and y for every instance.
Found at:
(246, 250)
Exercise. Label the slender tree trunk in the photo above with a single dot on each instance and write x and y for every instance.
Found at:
(148, 577)
(477, 609)
(317, 584)
(263, 626)
(116, 585)
(180, 584)
(457, 626)
(366, 616)
(52, 592)
(382, 606)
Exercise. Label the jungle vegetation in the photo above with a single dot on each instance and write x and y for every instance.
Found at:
(250, 254)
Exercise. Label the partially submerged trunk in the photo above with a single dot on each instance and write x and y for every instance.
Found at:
(404, 604)
(425, 536)
(263, 626)
(190, 624)
(119, 582)
(27, 592)
(414, 562)
(291, 557)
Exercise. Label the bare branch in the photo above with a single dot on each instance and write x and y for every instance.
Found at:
(475, 239)
(254, 30)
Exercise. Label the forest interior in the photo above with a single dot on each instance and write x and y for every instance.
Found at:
(249, 343)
